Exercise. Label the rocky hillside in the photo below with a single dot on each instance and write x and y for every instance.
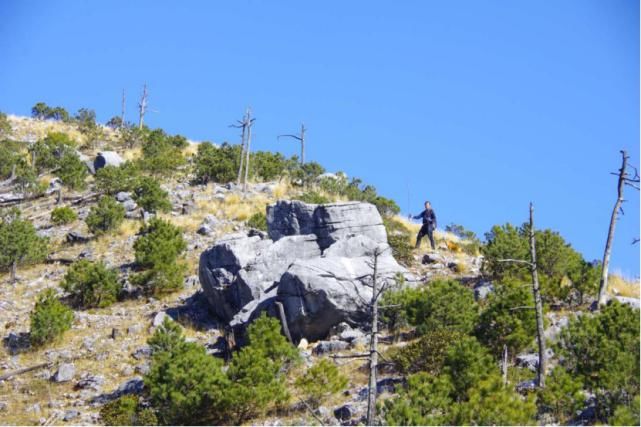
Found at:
(309, 265)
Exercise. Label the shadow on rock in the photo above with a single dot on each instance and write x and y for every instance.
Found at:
(16, 343)
(194, 313)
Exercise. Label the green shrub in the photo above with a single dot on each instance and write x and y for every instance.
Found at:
(150, 196)
(20, 242)
(127, 411)
(218, 164)
(399, 306)
(506, 320)
(47, 152)
(5, 125)
(467, 363)
(257, 371)
(63, 215)
(490, 403)
(49, 319)
(398, 237)
(425, 401)
(114, 179)
(445, 305)
(107, 215)
(312, 197)
(158, 250)
(42, 111)
(427, 354)
(160, 156)
(71, 170)
(603, 349)
(267, 166)
(91, 284)
(258, 221)
(26, 181)
(186, 386)
(562, 396)
(320, 382)
(10, 155)
(625, 415)
(556, 261)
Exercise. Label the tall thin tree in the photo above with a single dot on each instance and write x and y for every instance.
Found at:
(250, 122)
(538, 304)
(301, 138)
(241, 124)
(142, 106)
(623, 180)
(122, 110)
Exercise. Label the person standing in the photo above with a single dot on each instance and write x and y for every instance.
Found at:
(429, 224)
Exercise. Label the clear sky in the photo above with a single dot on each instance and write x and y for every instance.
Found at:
(478, 106)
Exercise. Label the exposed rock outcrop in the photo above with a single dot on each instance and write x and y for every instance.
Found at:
(317, 262)
(107, 158)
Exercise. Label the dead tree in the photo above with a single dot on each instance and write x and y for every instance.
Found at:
(538, 302)
(241, 124)
(300, 138)
(250, 122)
(122, 110)
(142, 106)
(243, 170)
(624, 179)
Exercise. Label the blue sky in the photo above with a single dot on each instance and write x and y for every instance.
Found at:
(479, 106)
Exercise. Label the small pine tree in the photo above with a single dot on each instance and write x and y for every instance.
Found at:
(113, 179)
(258, 221)
(49, 319)
(149, 195)
(92, 284)
(63, 215)
(20, 242)
(158, 250)
(561, 397)
(107, 215)
(186, 386)
(320, 382)
(127, 411)
(71, 170)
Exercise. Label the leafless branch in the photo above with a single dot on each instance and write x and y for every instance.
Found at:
(516, 261)
(523, 307)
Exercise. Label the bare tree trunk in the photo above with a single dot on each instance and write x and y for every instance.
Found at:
(504, 366)
(373, 350)
(242, 149)
(248, 149)
(142, 107)
(283, 320)
(603, 283)
(302, 144)
(14, 271)
(122, 110)
(538, 305)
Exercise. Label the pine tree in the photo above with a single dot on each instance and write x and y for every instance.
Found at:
(20, 243)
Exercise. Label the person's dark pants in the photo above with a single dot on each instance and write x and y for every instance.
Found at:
(428, 230)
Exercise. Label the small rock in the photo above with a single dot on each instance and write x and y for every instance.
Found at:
(142, 352)
(528, 360)
(93, 382)
(123, 196)
(159, 318)
(132, 386)
(325, 347)
(134, 329)
(65, 372)
(303, 344)
(70, 415)
(482, 290)
(3, 406)
(142, 369)
(526, 386)
(76, 237)
(129, 205)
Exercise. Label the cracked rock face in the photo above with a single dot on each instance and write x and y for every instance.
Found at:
(317, 262)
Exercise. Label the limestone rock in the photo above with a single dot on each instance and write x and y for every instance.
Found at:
(107, 158)
(65, 373)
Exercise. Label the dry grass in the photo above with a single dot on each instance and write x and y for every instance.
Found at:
(623, 286)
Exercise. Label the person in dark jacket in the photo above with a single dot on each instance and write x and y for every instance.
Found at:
(429, 224)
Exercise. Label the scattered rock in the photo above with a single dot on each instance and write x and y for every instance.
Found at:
(76, 237)
(134, 329)
(70, 415)
(159, 318)
(526, 386)
(65, 373)
(328, 347)
(528, 360)
(92, 382)
(482, 290)
(132, 386)
(123, 196)
(143, 352)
